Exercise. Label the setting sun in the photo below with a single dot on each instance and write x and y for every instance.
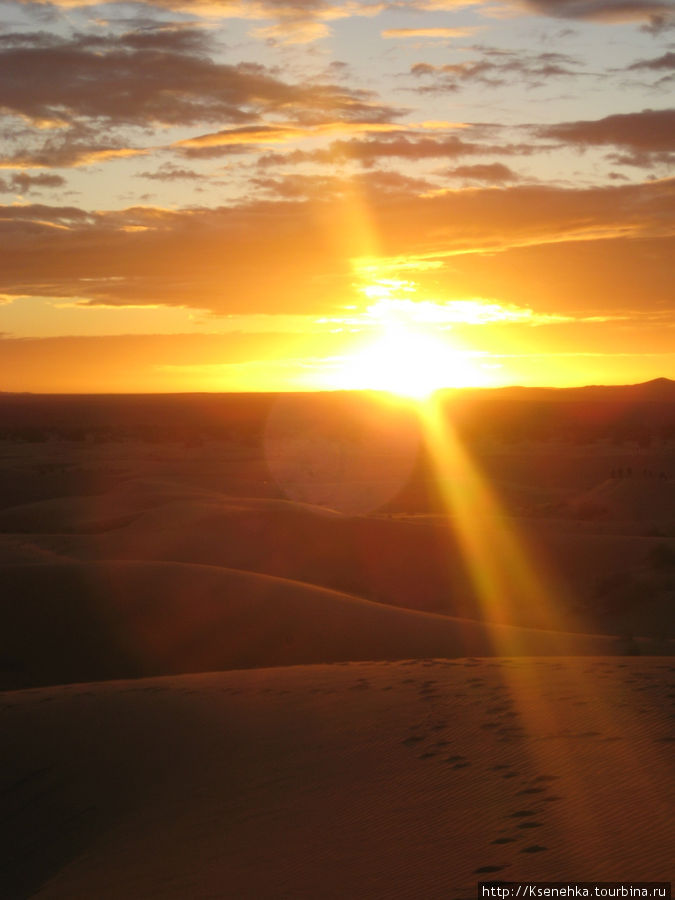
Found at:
(410, 363)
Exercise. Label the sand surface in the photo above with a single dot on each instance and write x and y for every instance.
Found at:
(407, 779)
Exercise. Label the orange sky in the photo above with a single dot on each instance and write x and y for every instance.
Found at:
(274, 197)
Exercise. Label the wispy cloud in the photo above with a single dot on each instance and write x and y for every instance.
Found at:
(494, 67)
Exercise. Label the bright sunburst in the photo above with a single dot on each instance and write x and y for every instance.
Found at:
(408, 362)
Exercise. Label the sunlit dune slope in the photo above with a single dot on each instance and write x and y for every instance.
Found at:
(402, 780)
(78, 622)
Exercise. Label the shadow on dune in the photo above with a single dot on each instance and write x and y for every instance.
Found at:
(96, 621)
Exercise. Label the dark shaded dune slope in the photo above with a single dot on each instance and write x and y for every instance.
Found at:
(412, 562)
(374, 557)
(82, 622)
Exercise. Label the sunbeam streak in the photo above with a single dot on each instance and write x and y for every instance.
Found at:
(507, 581)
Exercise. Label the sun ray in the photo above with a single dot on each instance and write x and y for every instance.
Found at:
(507, 581)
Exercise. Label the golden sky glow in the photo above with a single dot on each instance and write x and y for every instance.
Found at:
(242, 203)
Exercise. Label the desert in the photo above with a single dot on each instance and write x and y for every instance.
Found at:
(239, 665)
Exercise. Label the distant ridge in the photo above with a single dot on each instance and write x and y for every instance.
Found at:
(661, 388)
(657, 387)
(656, 390)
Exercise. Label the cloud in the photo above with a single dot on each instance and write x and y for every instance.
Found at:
(491, 172)
(667, 61)
(648, 136)
(472, 311)
(294, 255)
(427, 32)
(657, 14)
(162, 77)
(244, 139)
(325, 187)
(167, 172)
(22, 183)
(494, 67)
(69, 150)
(294, 21)
(299, 18)
(395, 145)
(49, 216)
(78, 96)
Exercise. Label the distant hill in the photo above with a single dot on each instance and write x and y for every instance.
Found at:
(656, 390)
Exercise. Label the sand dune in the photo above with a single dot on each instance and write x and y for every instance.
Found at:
(82, 622)
(99, 512)
(411, 562)
(638, 498)
(403, 780)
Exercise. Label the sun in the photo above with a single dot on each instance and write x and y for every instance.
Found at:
(408, 362)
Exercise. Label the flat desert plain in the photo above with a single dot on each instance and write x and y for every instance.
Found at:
(281, 648)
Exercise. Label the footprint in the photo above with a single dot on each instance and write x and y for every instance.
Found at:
(530, 825)
(482, 869)
(521, 813)
(413, 739)
(534, 848)
(504, 840)
(461, 765)
(531, 791)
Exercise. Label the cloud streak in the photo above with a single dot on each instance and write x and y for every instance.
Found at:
(648, 137)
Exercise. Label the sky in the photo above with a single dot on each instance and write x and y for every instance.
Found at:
(216, 195)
